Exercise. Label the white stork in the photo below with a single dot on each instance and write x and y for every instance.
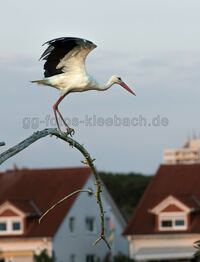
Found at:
(65, 70)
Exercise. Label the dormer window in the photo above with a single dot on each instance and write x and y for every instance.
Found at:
(11, 220)
(171, 214)
(10, 226)
(16, 226)
(180, 222)
(3, 226)
(172, 221)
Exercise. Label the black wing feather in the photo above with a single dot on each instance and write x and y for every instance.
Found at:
(56, 50)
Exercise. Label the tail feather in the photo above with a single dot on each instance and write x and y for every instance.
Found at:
(39, 82)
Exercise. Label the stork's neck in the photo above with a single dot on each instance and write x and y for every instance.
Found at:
(104, 87)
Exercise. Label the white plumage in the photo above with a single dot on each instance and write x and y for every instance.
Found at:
(65, 70)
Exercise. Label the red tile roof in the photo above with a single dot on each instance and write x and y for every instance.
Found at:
(35, 190)
(180, 181)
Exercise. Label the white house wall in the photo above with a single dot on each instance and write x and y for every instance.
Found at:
(142, 242)
(23, 249)
(80, 243)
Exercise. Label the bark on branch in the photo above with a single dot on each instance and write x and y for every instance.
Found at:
(88, 160)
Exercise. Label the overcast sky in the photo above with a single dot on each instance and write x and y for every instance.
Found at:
(154, 45)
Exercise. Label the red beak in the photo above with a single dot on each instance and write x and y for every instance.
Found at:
(127, 88)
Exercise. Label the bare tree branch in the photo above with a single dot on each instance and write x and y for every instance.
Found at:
(88, 160)
(89, 191)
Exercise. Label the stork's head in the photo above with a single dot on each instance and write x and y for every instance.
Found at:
(117, 80)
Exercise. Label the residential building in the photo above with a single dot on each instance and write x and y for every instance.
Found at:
(188, 154)
(166, 222)
(68, 231)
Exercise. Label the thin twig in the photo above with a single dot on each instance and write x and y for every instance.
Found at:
(88, 160)
(62, 200)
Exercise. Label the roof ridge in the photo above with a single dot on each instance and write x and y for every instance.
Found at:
(27, 169)
(35, 207)
(196, 200)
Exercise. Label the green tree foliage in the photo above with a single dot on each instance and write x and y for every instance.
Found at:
(43, 257)
(126, 189)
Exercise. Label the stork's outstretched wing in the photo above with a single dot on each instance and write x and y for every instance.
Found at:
(66, 54)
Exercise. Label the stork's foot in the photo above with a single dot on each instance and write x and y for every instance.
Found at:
(70, 131)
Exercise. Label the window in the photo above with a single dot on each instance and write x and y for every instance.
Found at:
(90, 224)
(172, 221)
(16, 226)
(166, 223)
(72, 258)
(3, 226)
(90, 258)
(179, 222)
(72, 224)
(10, 226)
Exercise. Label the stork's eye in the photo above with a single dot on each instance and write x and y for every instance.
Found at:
(119, 78)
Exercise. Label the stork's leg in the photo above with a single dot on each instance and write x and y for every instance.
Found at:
(55, 109)
(56, 117)
(63, 120)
